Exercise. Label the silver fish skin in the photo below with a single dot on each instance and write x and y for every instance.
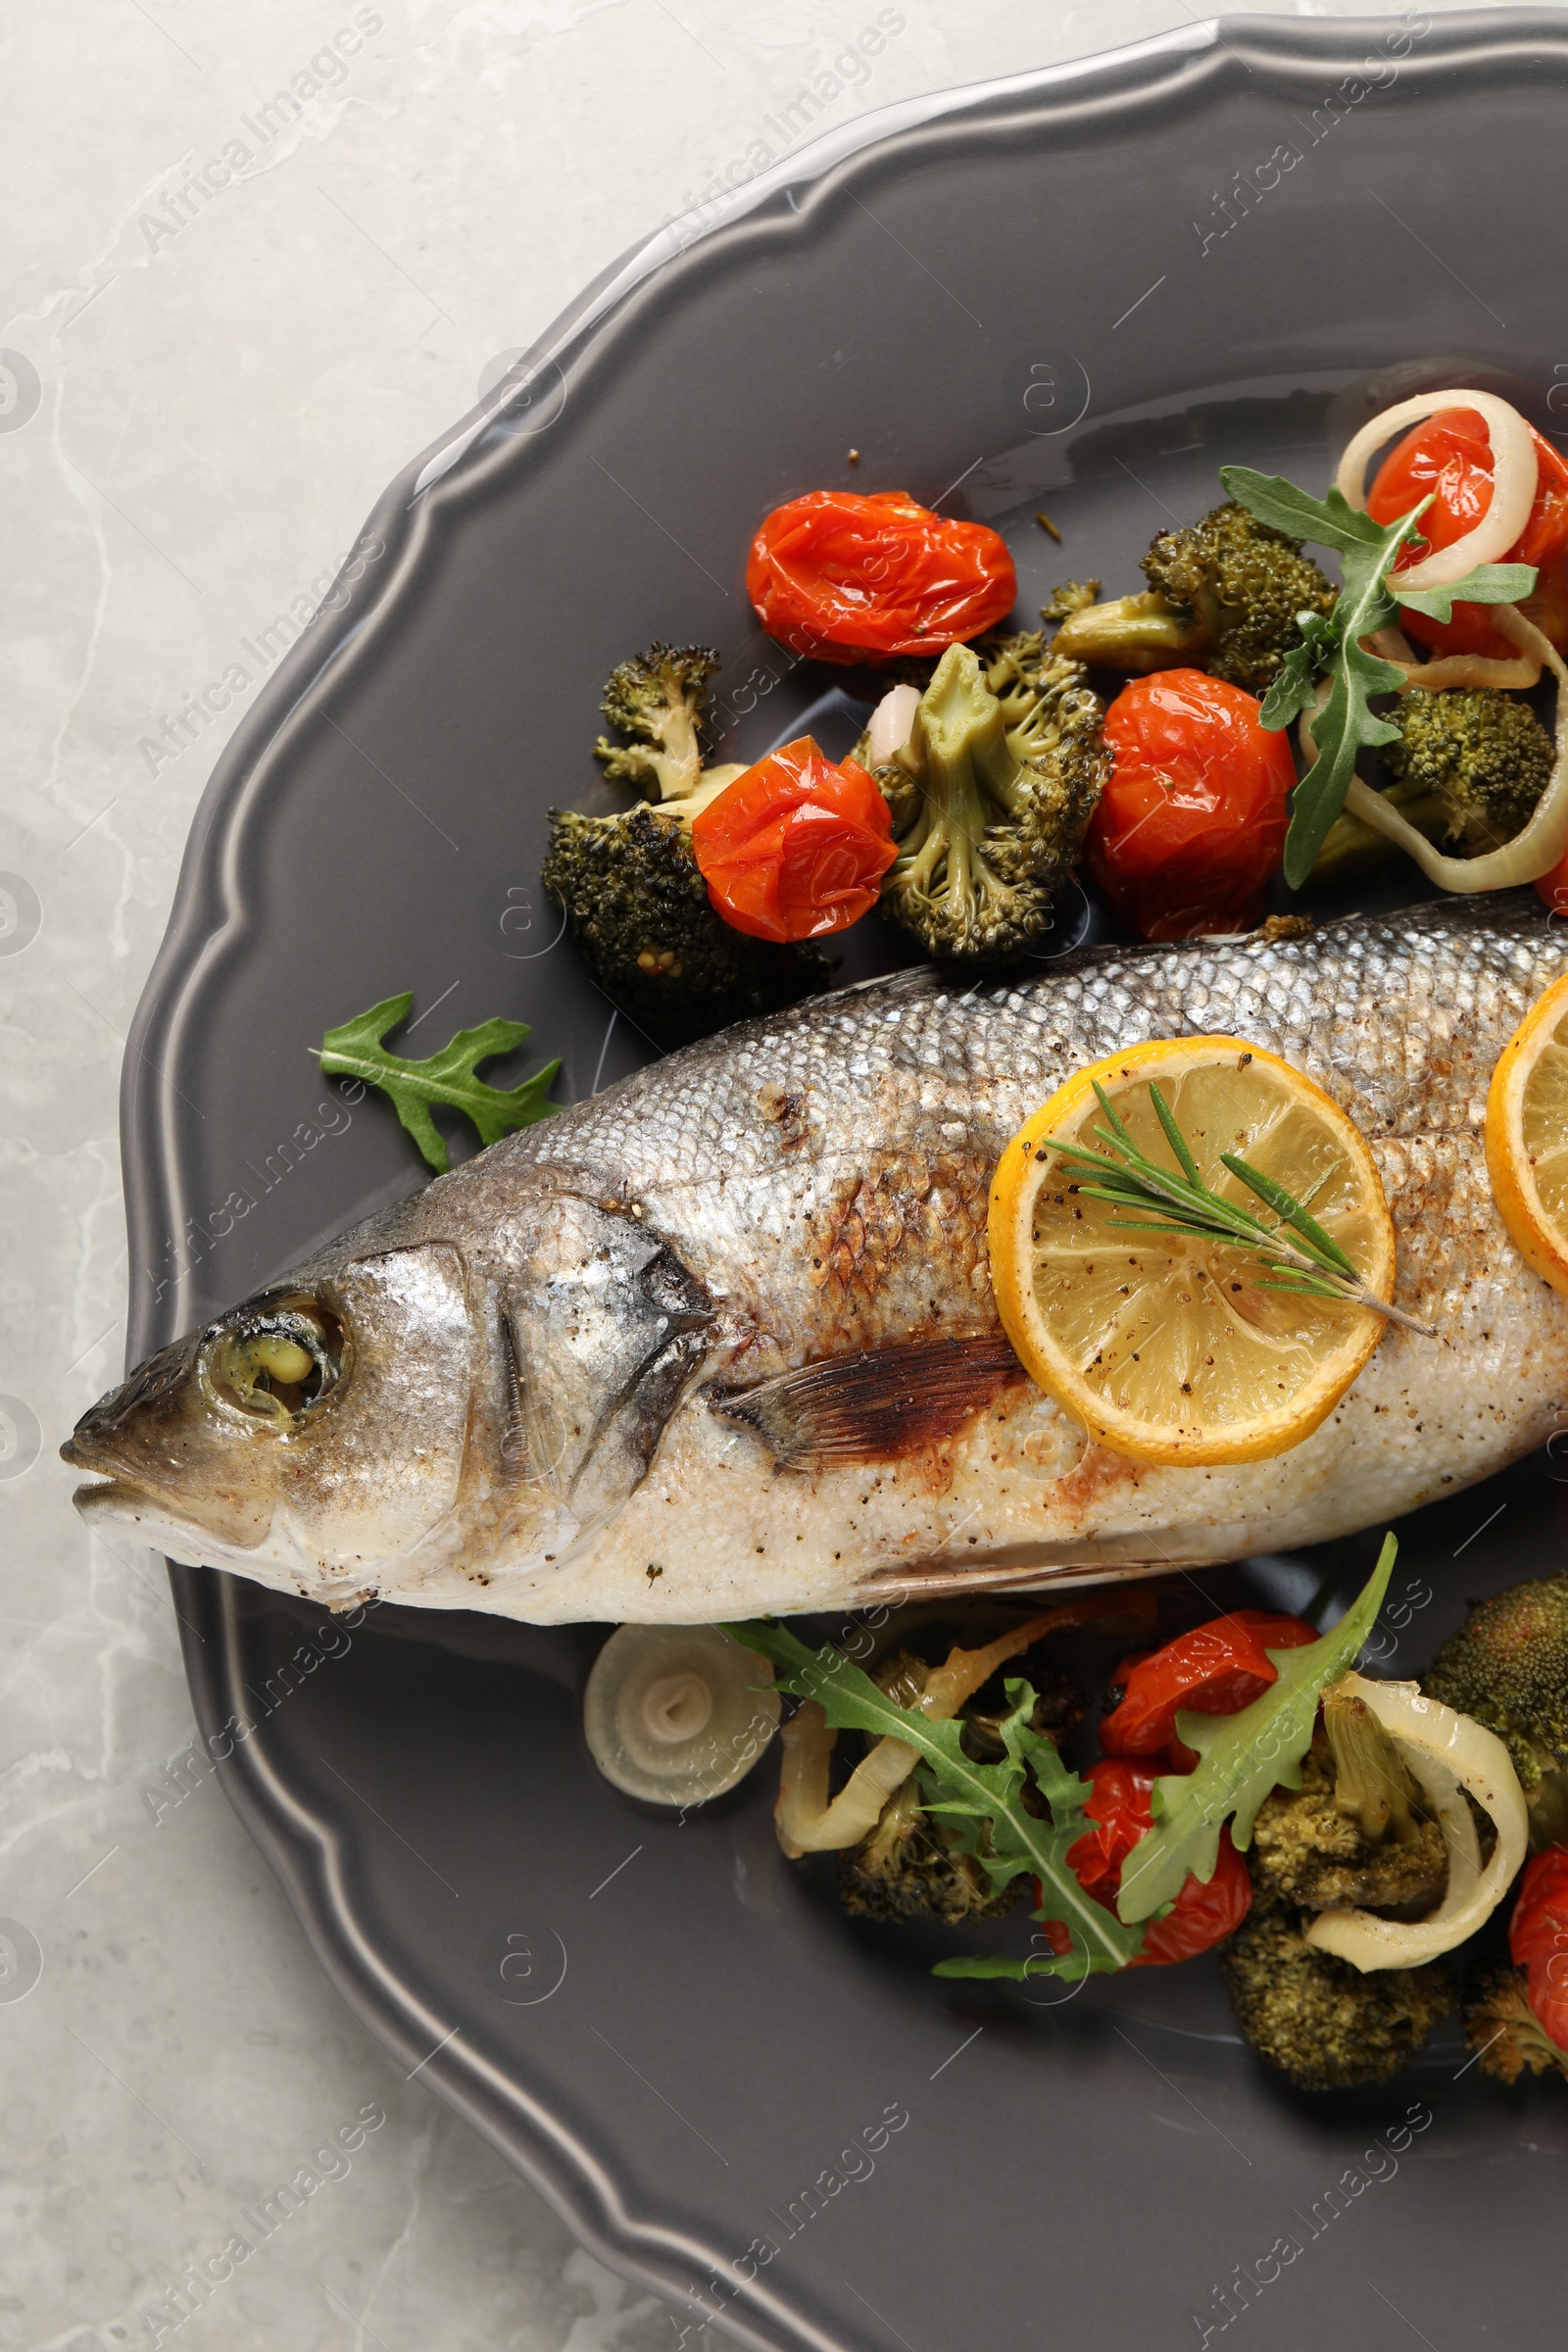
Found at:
(558, 1375)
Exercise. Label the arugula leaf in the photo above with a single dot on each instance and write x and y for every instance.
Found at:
(1330, 522)
(1243, 1757)
(1332, 646)
(1293, 686)
(984, 1801)
(355, 1050)
(1487, 585)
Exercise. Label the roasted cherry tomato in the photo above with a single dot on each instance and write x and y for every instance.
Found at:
(1216, 1669)
(1537, 1938)
(855, 578)
(795, 848)
(1192, 824)
(1205, 1912)
(1450, 456)
(1551, 887)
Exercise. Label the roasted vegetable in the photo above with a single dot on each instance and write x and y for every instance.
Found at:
(1504, 2031)
(1310, 1849)
(913, 1867)
(638, 907)
(1317, 2018)
(1470, 767)
(912, 1864)
(990, 797)
(1484, 757)
(1507, 1666)
(657, 700)
(640, 914)
(1223, 595)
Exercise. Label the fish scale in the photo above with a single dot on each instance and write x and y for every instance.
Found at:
(646, 1273)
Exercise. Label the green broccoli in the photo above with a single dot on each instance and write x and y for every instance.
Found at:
(1354, 1832)
(1507, 1666)
(912, 1866)
(1225, 593)
(639, 913)
(1485, 756)
(990, 798)
(1317, 2018)
(633, 894)
(1503, 2028)
(1469, 767)
(656, 699)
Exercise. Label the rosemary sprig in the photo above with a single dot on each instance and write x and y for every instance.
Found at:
(1126, 1178)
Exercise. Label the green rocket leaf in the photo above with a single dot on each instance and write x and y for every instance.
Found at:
(1332, 646)
(984, 1801)
(1242, 1758)
(355, 1050)
(1488, 584)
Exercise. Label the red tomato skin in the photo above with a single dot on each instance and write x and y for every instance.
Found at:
(1551, 888)
(1216, 1669)
(1537, 1938)
(1191, 822)
(1205, 1910)
(1450, 456)
(845, 576)
(797, 847)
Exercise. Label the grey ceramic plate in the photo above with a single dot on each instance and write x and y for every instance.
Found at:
(1083, 289)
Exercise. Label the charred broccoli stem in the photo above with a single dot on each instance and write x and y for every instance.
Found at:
(1226, 592)
(1310, 1847)
(656, 699)
(1317, 2018)
(639, 913)
(1507, 1666)
(990, 798)
(1504, 2031)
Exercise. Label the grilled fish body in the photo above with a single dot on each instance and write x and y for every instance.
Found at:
(722, 1340)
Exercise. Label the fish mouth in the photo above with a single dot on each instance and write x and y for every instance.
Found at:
(115, 1496)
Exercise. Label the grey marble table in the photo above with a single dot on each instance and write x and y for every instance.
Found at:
(257, 256)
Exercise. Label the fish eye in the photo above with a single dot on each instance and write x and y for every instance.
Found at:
(276, 1361)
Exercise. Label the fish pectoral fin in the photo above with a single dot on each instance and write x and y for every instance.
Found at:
(876, 1405)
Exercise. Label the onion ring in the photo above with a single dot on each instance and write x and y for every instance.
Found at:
(1446, 1753)
(1541, 844)
(1472, 669)
(1513, 482)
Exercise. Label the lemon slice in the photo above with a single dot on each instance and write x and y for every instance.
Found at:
(1527, 1135)
(1170, 1346)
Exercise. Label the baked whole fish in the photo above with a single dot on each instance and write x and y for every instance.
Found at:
(720, 1341)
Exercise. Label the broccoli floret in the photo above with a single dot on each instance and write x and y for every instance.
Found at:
(1068, 597)
(639, 913)
(910, 1867)
(1224, 594)
(1319, 1847)
(656, 699)
(1507, 1666)
(1320, 2021)
(1469, 767)
(1504, 2031)
(1483, 755)
(989, 809)
(630, 886)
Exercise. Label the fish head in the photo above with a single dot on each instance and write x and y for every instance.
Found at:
(310, 1435)
(464, 1406)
